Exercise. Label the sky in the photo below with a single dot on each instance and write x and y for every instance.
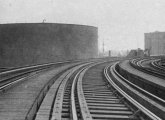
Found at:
(121, 23)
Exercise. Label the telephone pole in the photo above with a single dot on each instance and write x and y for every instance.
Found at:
(103, 46)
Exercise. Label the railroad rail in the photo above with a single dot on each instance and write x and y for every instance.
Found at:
(144, 77)
(94, 90)
(145, 98)
(158, 65)
(152, 69)
(84, 93)
(15, 75)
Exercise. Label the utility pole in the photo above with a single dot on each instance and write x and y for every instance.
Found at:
(103, 47)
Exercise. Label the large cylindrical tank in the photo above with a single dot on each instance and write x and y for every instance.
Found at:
(36, 43)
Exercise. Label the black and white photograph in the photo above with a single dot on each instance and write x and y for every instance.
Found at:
(82, 59)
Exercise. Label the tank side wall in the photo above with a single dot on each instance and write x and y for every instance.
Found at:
(27, 44)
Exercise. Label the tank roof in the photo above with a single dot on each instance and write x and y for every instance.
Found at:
(50, 24)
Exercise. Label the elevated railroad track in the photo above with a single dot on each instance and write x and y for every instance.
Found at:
(14, 75)
(146, 98)
(152, 68)
(91, 90)
(86, 94)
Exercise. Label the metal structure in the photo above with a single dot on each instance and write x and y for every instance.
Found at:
(37, 43)
(92, 89)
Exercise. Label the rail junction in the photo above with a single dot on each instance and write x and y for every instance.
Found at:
(101, 89)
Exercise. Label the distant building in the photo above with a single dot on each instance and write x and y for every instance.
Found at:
(109, 53)
(155, 43)
(136, 53)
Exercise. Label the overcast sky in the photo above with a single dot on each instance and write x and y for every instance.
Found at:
(121, 23)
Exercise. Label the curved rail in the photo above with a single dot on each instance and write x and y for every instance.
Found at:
(137, 64)
(160, 100)
(11, 77)
(77, 95)
(58, 102)
(82, 102)
(73, 78)
(157, 65)
(147, 112)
